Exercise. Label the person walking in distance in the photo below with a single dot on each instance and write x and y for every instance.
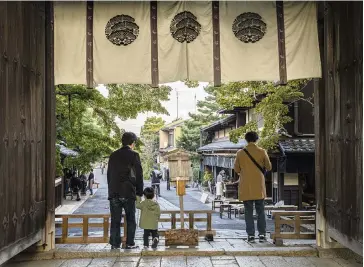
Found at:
(156, 177)
(91, 179)
(125, 182)
(251, 163)
(149, 217)
(168, 179)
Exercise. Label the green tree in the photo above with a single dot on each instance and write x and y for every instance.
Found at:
(150, 138)
(207, 112)
(273, 106)
(86, 120)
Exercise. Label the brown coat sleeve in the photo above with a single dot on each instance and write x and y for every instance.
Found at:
(267, 163)
(237, 168)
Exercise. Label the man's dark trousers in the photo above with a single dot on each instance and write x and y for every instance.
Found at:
(116, 207)
(249, 220)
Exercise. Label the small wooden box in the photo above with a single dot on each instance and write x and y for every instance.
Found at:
(181, 237)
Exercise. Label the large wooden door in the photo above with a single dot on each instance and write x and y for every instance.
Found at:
(24, 163)
(339, 125)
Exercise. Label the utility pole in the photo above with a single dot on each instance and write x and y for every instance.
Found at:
(195, 104)
(177, 102)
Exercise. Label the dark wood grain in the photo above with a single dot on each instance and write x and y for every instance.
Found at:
(216, 42)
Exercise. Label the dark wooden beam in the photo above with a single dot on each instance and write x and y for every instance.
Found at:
(50, 128)
(281, 186)
(281, 43)
(89, 44)
(216, 42)
(154, 43)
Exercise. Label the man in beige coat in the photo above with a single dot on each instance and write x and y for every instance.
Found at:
(251, 163)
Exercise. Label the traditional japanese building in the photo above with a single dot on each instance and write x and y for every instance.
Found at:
(293, 175)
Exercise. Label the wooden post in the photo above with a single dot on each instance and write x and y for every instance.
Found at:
(182, 216)
(85, 228)
(281, 186)
(50, 129)
(278, 241)
(64, 228)
(173, 221)
(209, 222)
(191, 220)
(106, 229)
(297, 224)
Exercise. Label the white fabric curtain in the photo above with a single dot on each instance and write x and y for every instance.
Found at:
(122, 64)
(302, 46)
(179, 61)
(240, 61)
(70, 42)
(248, 61)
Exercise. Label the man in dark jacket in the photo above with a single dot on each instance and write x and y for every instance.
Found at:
(91, 178)
(156, 177)
(125, 182)
(168, 180)
(75, 185)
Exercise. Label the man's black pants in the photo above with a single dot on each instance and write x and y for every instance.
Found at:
(168, 185)
(147, 233)
(157, 189)
(116, 207)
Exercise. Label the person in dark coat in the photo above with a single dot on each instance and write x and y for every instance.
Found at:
(125, 182)
(76, 185)
(91, 179)
(168, 180)
(156, 177)
(83, 179)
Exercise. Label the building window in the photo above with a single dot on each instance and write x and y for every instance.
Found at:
(171, 138)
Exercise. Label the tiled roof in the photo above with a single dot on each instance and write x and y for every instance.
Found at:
(296, 145)
(223, 145)
(172, 125)
(167, 149)
(219, 122)
(66, 151)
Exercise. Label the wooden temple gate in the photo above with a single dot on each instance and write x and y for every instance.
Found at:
(27, 126)
(339, 126)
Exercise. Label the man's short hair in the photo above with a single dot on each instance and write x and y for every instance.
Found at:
(251, 137)
(148, 193)
(128, 138)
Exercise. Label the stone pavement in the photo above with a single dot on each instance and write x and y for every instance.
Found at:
(183, 261)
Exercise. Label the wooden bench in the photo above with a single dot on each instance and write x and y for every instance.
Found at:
(237, 208)
(230, 205)
(214, 203)
(96, 184)
(270, 208)
(295, 220)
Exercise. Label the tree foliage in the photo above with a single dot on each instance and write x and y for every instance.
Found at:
(86, 120)
(273, 106)
(207, 112)
(150, 138)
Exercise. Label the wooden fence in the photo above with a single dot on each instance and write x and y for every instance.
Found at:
(299, 221)
(65, 224)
